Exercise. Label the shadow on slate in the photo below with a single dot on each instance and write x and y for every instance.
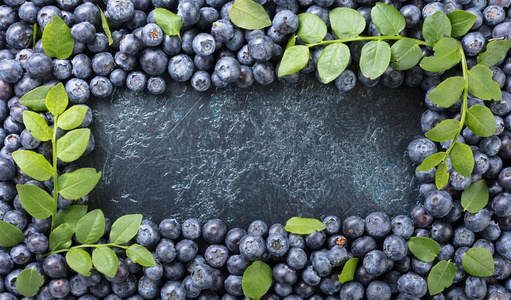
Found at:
(266, 152)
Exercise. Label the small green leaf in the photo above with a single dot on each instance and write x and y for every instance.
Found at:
(36, 98)
(311, 28)
(76, 184)
(292, 41)
(478, 262)
(105, 260)
(374, 59)
(462, 159)
(333, 61)
(423, 248)
(444, 131)
(441, 176)
(441, 276)
(447, 55)
(461, 22)
(10, 235)
(304, 225)
(57, 100)
(34, 36)
(405, 54)
(436, 27)
(475, 197)
(293, 60)
(447, 92)
(495, 51)
(482, 85)
(33, 164)
(72, 145)
(72, 117)
(125, 228)
(431, 161)
(28, 282)
(481, 121)
(387, 19)
(140, 255)
(71, 215)
(36, 201)
(257, 280)
(106, 28)
(37, 126)
(168, 21)
(79, 260)
(346, 22)
(90, 227)
(248, 14)
(348, 271)
(60, 237)
(57, 39)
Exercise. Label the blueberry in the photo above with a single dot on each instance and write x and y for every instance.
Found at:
(378, 290)
(10, 70)
(19, 35)
(155, 272)
(189, 12)
(296, 258)
(362, 246)
(87, 12)
(463, 237)
(505, 178)
(412, 15)
(120, 10)
(346, 81)
(263, 72)
(181, 67)
(216, 255)
(129, 44)
(152, 35)
(252, 247)
(316, 239)
(260, 48)
(78, 90)
(285, 22)
(201, 81)
(46, 13)
(127, 62)
(222, 30)
(446, 252)
(39, 64)
(438, 203)
(352, 290)
(103, 63)
(321, 12)
(165, 250)
(419, 149)
(473, 43)
(503, 245)
(62, 69)
(501, 205)
(153, 61)
(493, 15)
(377, 225)
(412, 284)
(59, 288)
(37, 243)
(174, 270)
(237, 264)
(310, 276)
(477, 222)
(156, 85)
(204, 62)
(55, 266)
(475, 287)
(118, 77)
(82, 66)
(421, 267)
(204, 44)
(395, 247)
(101, 87)
(207, 15)
(441, 231)
(148, 288)
(136, 81)
(148, 234)
(99, 43)
(83, 32)
(283, 274)
(170, 228)
(375, 262)
(186, 250)
(421, 217)
(430, 8)
(236, 42)
(125, 288)
(277, 245)
(191, 229)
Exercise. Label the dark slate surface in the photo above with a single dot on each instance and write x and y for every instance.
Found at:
(267, 152)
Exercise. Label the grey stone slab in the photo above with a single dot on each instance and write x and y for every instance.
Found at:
(266, 152)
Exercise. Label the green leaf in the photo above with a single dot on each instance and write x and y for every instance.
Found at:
(76, 184)
(348, 271)
(444, 131)
(475, 197)
(71, 215)
(105, 260)
(33, 164)
(36, 201)
(257, 280)
(431, 161)
(10, 235)
(481, 120)
(482, 85)
(36, 98)
(72, 145)
(346, 22)
(248, 14)
(311, 29)
(90, 227)
(79, 260)
(374, 59)
(478, 262)
(441, 276)
(72, 117)
(140, 255)
(436, 27)
(34, 36)
(303, 225)
(405, 54)
(106, 28)
(333, 61)
(441, 176)
(462, 159)
(387, 19)
(447, 92)
(423, 248)
(461, 22)
(293, 60)
(28, 282)
(495, 51)
(292, 41)
(447, 55)
(168, 21)
(125, 228)
(57, 39)
(60, 237)
(37, 126)
(57, 100)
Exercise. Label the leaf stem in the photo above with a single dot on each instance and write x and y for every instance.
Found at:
(55, 174)
(370, 38)
(86, 246)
